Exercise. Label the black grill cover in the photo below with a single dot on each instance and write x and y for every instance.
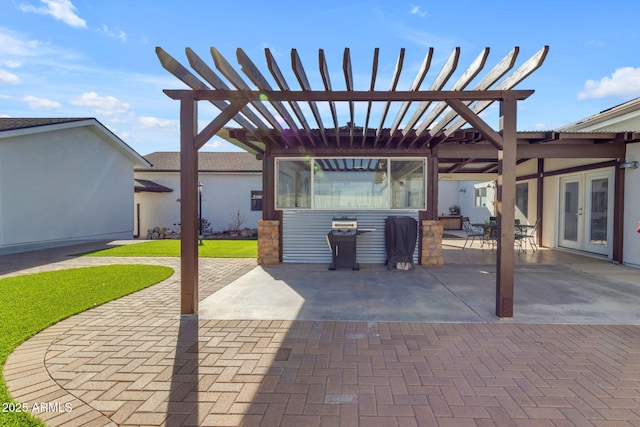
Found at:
(400, 238)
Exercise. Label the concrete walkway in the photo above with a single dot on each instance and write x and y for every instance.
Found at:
(570, 356)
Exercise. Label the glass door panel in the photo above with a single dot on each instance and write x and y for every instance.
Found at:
(571, 213)
(597, 214)
(585, 203)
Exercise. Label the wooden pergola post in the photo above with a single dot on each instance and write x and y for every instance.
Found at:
(618, 214)
(506, 212)
(190, 142)
(506, 142)
(188, 206)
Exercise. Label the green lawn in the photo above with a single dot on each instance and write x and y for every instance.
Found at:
(171, 248)
(33, 302)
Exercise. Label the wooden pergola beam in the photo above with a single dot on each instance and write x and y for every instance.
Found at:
(346, 96)
(492, 136)
(394, 84)
(530, 151)
(372, 86)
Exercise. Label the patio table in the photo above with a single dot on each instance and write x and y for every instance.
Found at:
(491, 232)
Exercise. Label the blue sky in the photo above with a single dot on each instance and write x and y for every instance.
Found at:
(79, 58)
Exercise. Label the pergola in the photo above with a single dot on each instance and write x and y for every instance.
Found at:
(279, 120)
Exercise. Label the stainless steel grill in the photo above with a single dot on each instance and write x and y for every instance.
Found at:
(342, 242)
(344, 224)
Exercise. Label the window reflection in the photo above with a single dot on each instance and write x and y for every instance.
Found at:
(294, 184)
(356, 183)
(350, 183)
(407, 182)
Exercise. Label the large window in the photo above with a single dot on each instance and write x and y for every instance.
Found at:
(522, 199)
(350, 183)
(480, 197)
(294, 184)
(407, 184)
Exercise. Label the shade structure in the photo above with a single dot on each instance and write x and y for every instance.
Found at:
(437, 118)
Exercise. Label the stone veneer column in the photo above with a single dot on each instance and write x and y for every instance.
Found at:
(431, 243)
(269, 242)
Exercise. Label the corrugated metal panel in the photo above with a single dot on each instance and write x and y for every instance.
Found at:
(304, 235)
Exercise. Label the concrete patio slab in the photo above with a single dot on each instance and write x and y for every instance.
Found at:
(450, 293)
(311, 292)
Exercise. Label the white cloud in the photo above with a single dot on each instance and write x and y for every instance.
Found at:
(62, 10)
(41, 103)
(417, 10)
(424, 39)
(115, 33)
(540, 126)
(107, 105)
(16, 50)
(147, 122)
(11, 64)
(624, 82)
(220, 145)
(215, 144)
(12, 44)
(7, 77)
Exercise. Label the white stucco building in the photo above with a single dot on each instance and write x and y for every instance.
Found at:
(231, 187)
(577, 196)
(621, 118)
(63, 180)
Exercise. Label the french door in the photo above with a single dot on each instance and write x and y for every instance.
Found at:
(586, 204)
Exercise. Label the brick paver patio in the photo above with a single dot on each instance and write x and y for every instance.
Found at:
(135, 361)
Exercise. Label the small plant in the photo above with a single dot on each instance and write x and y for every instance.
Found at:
(237, 220)
(205, 226)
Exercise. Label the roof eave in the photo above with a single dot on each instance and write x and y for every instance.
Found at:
(101, 130)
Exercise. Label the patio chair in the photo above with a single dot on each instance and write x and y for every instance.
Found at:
(524, 234)
(531, 235)
(472, 232)
(491, 232)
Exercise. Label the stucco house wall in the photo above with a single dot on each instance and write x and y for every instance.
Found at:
(631, 248)
(63, 183)
(223, 195)
(227, 178)
(625, 117)
(157, 209)
(551, 197)
(621, 118)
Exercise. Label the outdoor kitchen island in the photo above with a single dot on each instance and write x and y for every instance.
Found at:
(312, 193)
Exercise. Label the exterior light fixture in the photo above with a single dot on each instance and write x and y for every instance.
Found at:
(630, 165)
(462, 190)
